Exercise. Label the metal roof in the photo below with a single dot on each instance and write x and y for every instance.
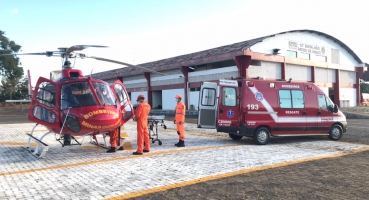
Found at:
(236, 48)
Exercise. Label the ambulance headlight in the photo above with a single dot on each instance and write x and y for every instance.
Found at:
(72, 123)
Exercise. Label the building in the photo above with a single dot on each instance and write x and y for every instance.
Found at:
(302, 55)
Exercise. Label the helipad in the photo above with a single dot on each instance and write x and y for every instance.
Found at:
(83, 172)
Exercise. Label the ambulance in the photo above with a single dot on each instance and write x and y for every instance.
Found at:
(261, 109)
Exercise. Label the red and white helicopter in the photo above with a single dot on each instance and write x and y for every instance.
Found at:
(77, 105)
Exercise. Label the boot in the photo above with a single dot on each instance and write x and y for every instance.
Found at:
(181, 144)
(121, 148)
(111, 150)
(176, 144)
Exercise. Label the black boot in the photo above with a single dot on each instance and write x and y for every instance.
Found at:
(181, 144)
(176, 144)
(121, 148)
(111, 150)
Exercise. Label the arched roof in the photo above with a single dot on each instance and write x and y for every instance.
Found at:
(188, 59)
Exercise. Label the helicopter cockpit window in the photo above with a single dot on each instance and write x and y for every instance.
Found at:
(46, 94)
(104, 93)
(122, 96)
(77, 94)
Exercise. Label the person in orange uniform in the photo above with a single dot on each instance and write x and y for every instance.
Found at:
(114, 140)
(142, 111)
(179, 119)
(114, 137)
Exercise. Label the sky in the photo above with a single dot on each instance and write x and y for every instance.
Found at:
(140, 31)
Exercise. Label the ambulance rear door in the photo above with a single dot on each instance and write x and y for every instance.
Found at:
(208, 97)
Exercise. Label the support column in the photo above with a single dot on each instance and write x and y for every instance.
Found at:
(283, 70)
(149, 92)
(313, 74)
(243, 62)
(359, 73)
(184, 70)
(337, 88)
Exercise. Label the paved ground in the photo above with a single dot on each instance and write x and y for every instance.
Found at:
(211, 166)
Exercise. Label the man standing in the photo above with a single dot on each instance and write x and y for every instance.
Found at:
(179, 119)
(114, 140)
(142, 111)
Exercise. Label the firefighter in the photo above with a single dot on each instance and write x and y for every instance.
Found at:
(142, 111)
(179, 119)
(114, 137)
(114, 140)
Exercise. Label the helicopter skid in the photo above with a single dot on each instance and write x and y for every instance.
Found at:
(40, 150)
(105, 144)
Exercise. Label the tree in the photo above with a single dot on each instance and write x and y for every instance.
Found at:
(364, 87)
(9, 66)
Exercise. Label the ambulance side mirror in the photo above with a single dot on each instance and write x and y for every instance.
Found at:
(335, 109)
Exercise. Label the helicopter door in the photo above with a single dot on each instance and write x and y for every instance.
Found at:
(124, 101)
(44, 107)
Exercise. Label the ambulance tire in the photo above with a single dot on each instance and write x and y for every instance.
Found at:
(261, 136)
(235, 137)
(336, 132)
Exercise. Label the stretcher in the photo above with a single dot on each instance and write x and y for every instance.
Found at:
(154, 121)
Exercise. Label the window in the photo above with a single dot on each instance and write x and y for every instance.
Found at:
(43, 114)
(304, 56)
(77, 94)
(46, 94)
(104, 94)
(208, 97)
(291, 99)
(335, 56)
(292, 54)
(324, 102)
(122, 95)
(229, 96)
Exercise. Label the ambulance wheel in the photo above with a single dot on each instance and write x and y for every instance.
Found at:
(335, 133)
(261, 136)
(235, 137)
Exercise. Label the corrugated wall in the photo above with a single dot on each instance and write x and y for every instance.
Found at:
(213, 74)
(267, 69)
(347, 77)
(298, 72)
(325, 75)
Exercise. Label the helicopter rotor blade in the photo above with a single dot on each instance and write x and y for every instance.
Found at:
(81, 47)
(126, 64)
(15, 54)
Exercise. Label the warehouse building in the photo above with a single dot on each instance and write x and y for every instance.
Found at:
(300, 55)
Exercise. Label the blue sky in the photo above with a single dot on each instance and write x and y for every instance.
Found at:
(139, 31)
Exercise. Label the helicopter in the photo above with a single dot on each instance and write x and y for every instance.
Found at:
(77, 105)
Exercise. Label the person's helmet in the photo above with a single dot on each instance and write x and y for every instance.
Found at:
(178, 96)
(141, 96)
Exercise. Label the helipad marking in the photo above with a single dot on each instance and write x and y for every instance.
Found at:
(36, 131)
(127, 146)
(18, 143)
(114, 159)
(229, 174)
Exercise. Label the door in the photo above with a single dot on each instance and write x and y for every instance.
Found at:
(228, 112)
(325, 116)
(125, 103)
(207, 105)
(45, 104)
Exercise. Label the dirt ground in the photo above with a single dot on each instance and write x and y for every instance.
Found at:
(345, 177)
